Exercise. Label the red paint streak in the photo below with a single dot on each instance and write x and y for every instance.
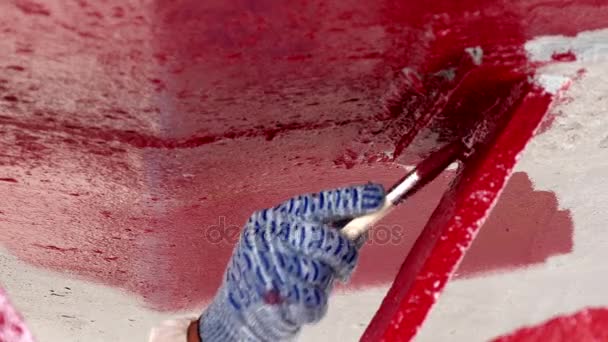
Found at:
(55, 248)
(139, 140)
(15, 67)
(10, 98)
(31, 7)
(547, 123)
(567, 56)
(451, 229)
(550, 118)
(10, 180)
(587, 325)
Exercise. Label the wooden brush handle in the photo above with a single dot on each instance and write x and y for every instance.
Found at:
(360, 225)
(425, 172)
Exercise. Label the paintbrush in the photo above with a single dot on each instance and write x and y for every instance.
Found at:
(460, 149)
(422, 174)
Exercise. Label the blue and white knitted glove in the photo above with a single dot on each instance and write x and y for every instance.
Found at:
(284, 264)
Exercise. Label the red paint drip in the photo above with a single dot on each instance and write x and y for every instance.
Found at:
(451, 229)
(588, 325)
(525, 227)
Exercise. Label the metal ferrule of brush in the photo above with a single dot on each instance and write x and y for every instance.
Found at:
(422, 174)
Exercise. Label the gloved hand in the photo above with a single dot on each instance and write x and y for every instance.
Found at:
(284, 264)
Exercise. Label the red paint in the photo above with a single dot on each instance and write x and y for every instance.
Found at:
(567, 56)
(32, 7)
(272, 298)
(12, 326)
(451, 229)
(153, 114)
(587, 325)
(15, 67)
(547, 123)
(413, 103)
(10, 98)
(524, 228)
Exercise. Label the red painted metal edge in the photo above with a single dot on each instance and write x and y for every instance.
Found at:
(590, 324)
(453, 226)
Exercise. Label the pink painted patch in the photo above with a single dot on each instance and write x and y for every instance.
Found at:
(524, 228)
(588, 325)
(12, 326)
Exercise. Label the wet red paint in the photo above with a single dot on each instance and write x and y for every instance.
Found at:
(585, 326)
(169, 117)
(567, 56)
(453, 226)
(525, 228)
